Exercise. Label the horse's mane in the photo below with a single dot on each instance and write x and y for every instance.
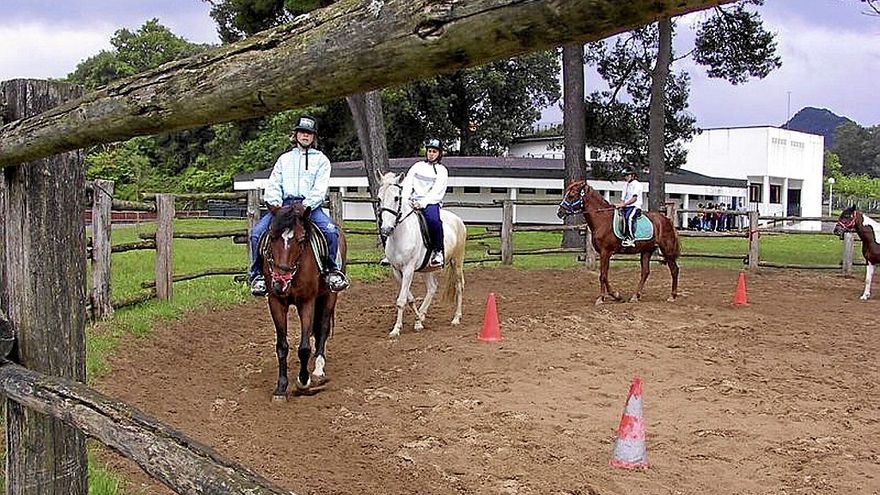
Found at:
(286, 218)
(582, 184)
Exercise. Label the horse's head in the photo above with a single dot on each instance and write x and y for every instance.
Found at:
(390, 202)
(849, 219)
(287, 242)
(573, 199)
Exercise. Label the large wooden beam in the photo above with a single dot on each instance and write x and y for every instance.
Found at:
(171, 457)
(350, 47)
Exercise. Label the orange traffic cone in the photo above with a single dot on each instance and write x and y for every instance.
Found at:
(739, 297)
(491, 331)
(629, 446)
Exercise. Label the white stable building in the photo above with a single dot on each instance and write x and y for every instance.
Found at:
(481, 179)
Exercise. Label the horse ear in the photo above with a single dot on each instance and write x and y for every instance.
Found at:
(379, 175)
(398, 177)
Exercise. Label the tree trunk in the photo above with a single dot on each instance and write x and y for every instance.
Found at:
(347, 48)
(573, 126)
(43, 292)
(657, 117)
(366, 110)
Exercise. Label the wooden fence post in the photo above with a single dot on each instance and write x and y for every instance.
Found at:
(43, 292)
(336, 212)
(754, 241)
(507, 232)
(253, 217)
(102, 201)
(848, 248)
(164, 245)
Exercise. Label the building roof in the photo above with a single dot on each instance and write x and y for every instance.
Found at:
(505, 166)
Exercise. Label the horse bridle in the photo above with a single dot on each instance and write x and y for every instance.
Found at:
(280, 272)
(396, 213)
(574, 207)
(848, 226)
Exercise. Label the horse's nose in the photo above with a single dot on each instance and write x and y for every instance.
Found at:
(277, 288)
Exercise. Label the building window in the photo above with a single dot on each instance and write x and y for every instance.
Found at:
(554, 192)
(448, 190)
(797, 144)
(498, 190)
(351, 189)
(471, 190)
(775, 194)
(755, 193)
(594, 155)
(527, 190)
(779, 141)
(674, 196)
(333, 189)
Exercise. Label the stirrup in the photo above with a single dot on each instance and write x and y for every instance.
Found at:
(337, 281)
(437, 259)
(258, 286)
(628, 242)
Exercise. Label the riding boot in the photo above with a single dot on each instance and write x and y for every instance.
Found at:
(437, 258)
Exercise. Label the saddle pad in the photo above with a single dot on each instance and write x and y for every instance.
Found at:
(644, 227)
(317, 242)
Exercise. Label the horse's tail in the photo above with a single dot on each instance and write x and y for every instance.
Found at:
(453, 272)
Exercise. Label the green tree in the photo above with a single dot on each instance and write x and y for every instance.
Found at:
(858, 148)
(731, 43)
(133, 52)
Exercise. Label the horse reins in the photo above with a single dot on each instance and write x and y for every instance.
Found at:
(396, 213)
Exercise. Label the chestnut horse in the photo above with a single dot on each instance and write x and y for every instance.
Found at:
(852, 220)
(293, 276)
(581, 198)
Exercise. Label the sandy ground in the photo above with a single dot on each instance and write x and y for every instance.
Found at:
(779, 397)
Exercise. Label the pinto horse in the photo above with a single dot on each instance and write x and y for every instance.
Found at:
(852, 220)
(292, 271)
(581, 198)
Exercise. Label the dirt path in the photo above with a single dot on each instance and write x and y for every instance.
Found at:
(779, 397)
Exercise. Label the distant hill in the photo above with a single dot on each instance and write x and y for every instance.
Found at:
(817, 121)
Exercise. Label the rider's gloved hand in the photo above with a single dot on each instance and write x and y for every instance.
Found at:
(415, 204)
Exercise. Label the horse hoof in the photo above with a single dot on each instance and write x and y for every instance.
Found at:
(600, 300)
(302, 386)
(418, 327)
(617, 297)
(319, 379)
(864, 298)
(635, 298)
(670, 299)
(394, 333)
(279, 397)
(456, 321)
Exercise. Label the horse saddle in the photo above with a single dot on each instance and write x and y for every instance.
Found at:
(317, 242)
(426, 241)
(644, 227)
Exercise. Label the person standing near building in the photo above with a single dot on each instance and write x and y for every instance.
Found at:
(630, 205)
(301, 174)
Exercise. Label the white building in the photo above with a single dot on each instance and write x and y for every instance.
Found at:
(783, 167)
(474, 179)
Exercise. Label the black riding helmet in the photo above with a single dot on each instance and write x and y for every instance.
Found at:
(435, 144)
(307, 123)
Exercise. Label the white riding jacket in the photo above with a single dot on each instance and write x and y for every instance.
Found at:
(633, 188)
(425, 183)
(290, 178)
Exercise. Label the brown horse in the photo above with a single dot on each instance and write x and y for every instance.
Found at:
(852, 220)
(581, 198)
(294, 278)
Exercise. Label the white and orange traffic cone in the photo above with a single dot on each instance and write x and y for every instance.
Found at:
(630, 451)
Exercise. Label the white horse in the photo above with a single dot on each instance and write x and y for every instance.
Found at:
(406, 252)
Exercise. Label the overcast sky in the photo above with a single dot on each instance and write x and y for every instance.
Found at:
(830, 53)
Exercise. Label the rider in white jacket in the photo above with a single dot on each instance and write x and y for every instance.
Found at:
(425, 186)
